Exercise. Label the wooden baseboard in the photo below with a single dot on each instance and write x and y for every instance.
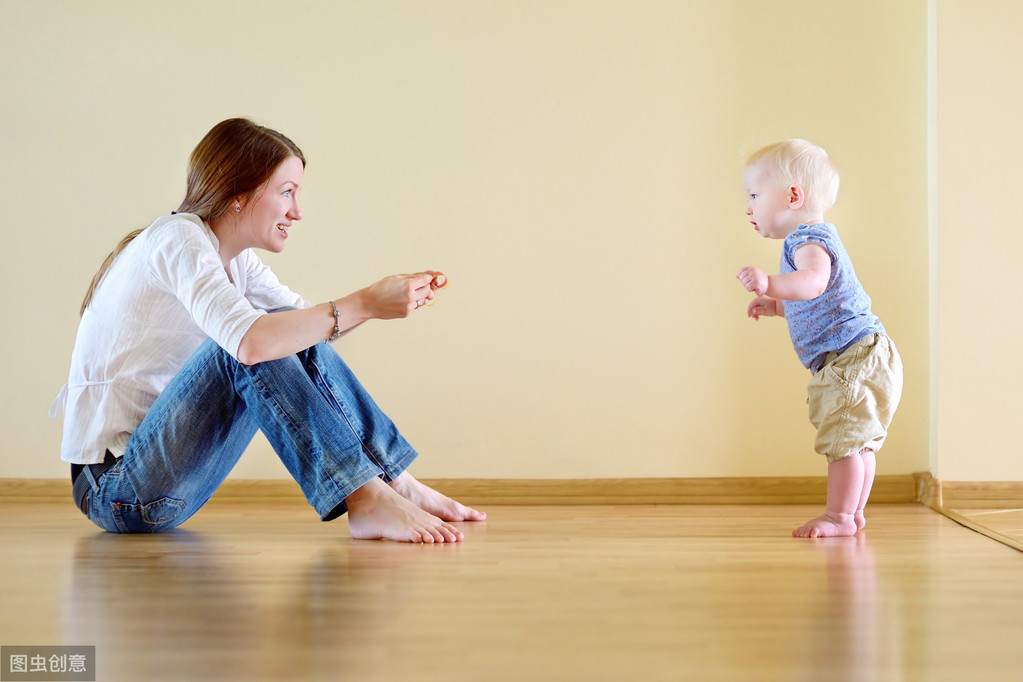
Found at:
(758, 490)
(982, 494)
(897, 489)
(35, 488)
(928, 490)
(755, 490)
(968, 494)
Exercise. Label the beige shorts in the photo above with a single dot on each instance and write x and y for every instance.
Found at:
(853, 397)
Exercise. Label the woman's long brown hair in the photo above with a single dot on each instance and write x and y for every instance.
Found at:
(233, 160)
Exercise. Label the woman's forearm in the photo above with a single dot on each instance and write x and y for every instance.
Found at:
(277, 335)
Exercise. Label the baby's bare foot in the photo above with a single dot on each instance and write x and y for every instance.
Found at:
(432, 501)
(376, 512)
(861, 520)
(827, 525)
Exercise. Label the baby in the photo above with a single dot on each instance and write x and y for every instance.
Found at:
(856, 371)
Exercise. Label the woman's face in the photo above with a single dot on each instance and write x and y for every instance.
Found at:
(269, 215)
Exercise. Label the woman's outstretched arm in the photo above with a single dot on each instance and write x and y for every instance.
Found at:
(278, 335)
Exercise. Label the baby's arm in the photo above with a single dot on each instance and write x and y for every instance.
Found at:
(813, 271)
(765, 306)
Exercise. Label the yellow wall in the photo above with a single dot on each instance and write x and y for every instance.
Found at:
(574, 168)
(978, 240)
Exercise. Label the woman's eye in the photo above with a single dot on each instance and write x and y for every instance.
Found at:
(287, 193)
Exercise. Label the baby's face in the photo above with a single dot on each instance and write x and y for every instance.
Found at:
(767, 202)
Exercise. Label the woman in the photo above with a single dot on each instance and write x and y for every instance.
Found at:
(177, 363)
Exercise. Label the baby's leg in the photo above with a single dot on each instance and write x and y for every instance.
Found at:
(869, 466)
(845, 485)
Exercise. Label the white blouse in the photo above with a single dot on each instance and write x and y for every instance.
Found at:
(164, 295)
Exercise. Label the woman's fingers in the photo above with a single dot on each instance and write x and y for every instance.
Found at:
(400, 295)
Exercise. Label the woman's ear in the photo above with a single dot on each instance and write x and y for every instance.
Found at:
(797, 197)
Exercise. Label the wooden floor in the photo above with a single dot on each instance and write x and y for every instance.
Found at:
(267, 592)
(1005, 525)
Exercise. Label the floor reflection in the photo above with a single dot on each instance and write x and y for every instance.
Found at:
(855, 641)
(203, 607)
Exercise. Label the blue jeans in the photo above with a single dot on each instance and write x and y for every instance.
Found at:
(319, 419)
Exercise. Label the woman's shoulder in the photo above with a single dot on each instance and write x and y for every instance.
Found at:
(176, 223)
(177, 231)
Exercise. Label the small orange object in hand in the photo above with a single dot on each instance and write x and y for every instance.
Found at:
(439, 281)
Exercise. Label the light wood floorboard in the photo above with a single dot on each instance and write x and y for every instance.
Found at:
(248, 591)
(993, 508)
(1004, 525)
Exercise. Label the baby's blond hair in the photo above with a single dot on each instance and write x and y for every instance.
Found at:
(798, 162)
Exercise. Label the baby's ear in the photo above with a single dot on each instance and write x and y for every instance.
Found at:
(797, 196)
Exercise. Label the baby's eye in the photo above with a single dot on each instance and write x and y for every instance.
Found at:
(753, 196)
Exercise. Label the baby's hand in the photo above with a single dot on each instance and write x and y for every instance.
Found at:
(762, 306)
(754, 279)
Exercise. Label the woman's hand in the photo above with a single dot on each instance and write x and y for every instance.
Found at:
(398, 295)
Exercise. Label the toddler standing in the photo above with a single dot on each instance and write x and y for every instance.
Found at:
(856, 371)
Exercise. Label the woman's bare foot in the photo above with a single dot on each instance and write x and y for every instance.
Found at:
(432, 501)
(376, 512)
(827, 525)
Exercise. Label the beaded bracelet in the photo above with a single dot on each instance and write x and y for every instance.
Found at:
(337, 323)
